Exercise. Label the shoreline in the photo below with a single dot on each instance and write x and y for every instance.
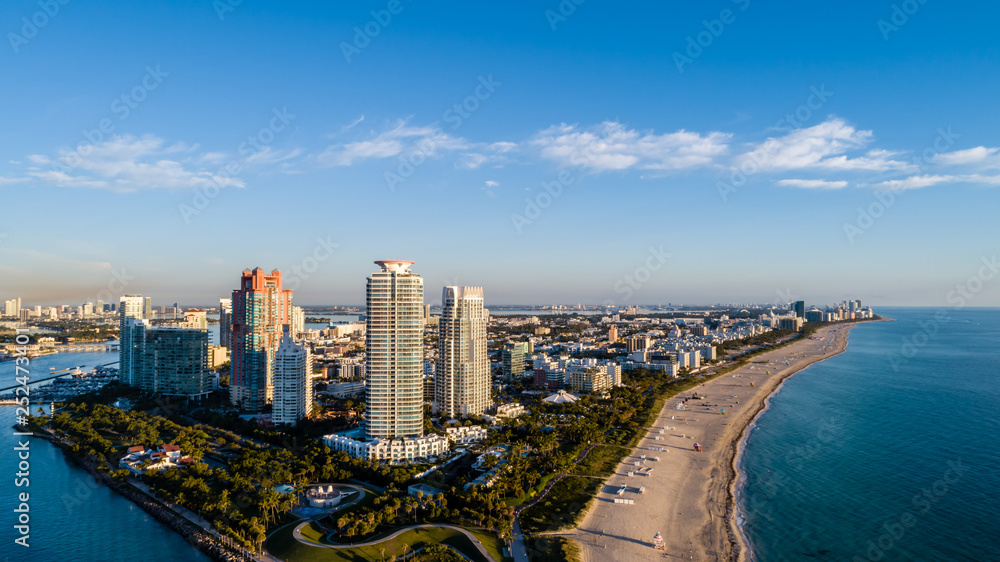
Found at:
(742, 548)
(705, 480)
(169, 518)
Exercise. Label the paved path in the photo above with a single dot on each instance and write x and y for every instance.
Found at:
(479, 546)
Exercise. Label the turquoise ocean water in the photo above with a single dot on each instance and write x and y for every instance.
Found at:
(886, 452)
(72, 518)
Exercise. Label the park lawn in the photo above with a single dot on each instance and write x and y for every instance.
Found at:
(314, 533)
(562, 506)
(282, 545)
(491, 542)
(552, 549)
(601, 461)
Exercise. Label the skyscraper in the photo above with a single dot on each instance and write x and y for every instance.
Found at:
(260, 308)
(394, 343)
(293, 397)
(513, 360)
(131, 327)
(174, 361)
(147, 308)
(298, 321)
(226, 323)
(800, 309)
(462, 380)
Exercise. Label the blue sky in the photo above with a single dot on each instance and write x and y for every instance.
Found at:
(725, 151)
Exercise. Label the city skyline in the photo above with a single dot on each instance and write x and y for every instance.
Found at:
(608, 136)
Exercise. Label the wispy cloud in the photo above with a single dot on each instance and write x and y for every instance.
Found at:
(918, 182)
(612, 146)
(126, 163)
(400, 139)
(813, 184)
(977, 155)
(352, 124)
(826, 146)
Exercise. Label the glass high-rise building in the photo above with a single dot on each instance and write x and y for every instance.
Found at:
(261, 307)
(462, 380)
(131, 326)
(175, 362)
(395, 354)
(226, 323)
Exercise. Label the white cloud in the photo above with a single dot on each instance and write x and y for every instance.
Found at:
(490, 185)
(825, 147)
(975, 155)
(352, 123)
(813, 184)
(268, 155)
(917, 182)
(611, 146)
(401, 139)
(9, 181)
(126, 163)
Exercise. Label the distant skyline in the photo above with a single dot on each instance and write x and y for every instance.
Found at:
(735, 151)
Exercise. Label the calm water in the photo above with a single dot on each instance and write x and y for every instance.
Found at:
(72, 517)
(872, 455)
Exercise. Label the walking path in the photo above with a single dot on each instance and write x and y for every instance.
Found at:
(475, 541)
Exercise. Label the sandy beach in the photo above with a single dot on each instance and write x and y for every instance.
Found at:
(687, 495)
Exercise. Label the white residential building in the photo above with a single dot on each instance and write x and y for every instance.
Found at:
(462, 379)
(394, 346)
(293, 395)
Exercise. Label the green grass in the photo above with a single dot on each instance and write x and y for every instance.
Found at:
(491, 542)
(283, 546)
(314, 533)
(601, 461)
(562, 506)
(552, 549)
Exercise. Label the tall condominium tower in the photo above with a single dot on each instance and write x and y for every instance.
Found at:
(260, 309)
(175, 362)
(293, 397)
(462, 380)
(131, 327)
(226, 323)
(147, 308)
(395, 353)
